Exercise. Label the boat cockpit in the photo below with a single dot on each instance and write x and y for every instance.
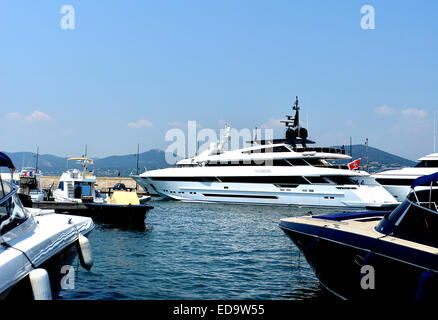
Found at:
(12, 212)
(415, 219)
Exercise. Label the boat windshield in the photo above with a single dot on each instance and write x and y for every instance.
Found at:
(416, 219)
(12, 212)
(427, 164)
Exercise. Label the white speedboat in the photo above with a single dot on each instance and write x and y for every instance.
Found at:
(271, 173)
(36, 244)
(78, 185)
(398, 181)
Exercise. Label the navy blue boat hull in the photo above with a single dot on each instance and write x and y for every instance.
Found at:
(337, 261)
(121, 215)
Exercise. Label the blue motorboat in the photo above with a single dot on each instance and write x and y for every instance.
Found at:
(375, 255)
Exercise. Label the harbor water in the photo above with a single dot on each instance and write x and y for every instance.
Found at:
(198, 251)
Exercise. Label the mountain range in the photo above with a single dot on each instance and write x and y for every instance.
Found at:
(124, 165)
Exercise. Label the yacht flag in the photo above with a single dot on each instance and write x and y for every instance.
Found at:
(354, 164)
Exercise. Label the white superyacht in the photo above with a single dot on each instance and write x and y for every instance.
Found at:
(273, 172)
(398, 181)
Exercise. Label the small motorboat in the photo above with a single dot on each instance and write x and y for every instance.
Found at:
(30, 184)
(375, 255)
(36, 244)
(77, 185)
(122, 207)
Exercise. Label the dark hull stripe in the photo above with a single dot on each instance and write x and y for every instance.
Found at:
(238, 196)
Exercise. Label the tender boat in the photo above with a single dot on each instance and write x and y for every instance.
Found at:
(36, 244)
(277, 172)
(398, 181)
(122, 208)
(375, 255)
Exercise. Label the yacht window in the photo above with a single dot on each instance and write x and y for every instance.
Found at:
(398, 182)
(283, 180)
(61, 185)
(428, 164)
(316, 162)
(297, 162)
(82, 189)
(316, 179)
(281, 163)
(280, 149)
(341, 180)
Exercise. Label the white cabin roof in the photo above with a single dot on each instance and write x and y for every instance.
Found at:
(432, 156)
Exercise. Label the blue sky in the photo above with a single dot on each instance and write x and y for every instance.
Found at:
(132, 70)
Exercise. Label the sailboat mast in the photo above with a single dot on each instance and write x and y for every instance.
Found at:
(434, 132)
(138, 154)
(36, 162)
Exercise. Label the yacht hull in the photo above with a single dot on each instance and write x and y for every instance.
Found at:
(340, 262)
(358, 196)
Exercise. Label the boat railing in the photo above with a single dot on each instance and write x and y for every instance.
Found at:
(429, 205)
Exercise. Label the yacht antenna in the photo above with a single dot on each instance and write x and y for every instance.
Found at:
(296, 107)
(366, 150)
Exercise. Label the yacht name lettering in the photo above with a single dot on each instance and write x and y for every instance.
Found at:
(185, 310)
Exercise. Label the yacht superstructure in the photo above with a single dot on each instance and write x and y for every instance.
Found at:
(398, 181)
(273, 172)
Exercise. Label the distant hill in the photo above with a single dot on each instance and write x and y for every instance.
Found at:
(377, 159)
(104, 167)
(155, 159)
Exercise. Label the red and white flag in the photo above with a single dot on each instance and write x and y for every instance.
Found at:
(354, 164)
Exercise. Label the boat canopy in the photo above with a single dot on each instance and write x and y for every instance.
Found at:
(5, 161)
(425, 179)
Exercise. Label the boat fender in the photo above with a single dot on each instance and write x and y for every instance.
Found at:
(40, 283)
(84, 252)
(426, 286)
(368, 259)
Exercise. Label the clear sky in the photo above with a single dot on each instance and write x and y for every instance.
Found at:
(131, 70)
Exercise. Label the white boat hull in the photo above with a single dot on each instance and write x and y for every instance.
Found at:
(356, 196)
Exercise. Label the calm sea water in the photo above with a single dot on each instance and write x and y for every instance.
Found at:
(198, 251)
